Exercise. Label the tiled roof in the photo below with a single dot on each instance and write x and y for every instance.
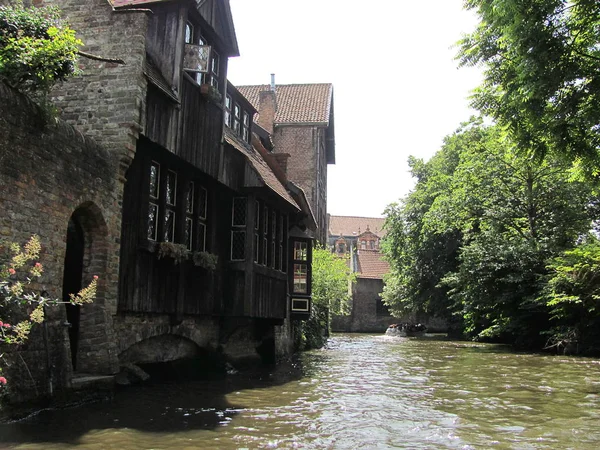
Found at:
(261, 168)
(353, 226)
(296, 103)
(371, 264)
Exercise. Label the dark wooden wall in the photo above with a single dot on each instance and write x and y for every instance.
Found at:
(201, 130)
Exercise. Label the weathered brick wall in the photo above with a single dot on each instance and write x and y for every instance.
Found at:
(301, 142)
(47, 173)
(364, 318)
(364, 301)
(107, 100)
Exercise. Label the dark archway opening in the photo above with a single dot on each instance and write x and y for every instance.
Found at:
(72, 279)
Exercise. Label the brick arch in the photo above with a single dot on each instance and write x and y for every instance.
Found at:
(93, 337)
(159, 348)
(132, 334)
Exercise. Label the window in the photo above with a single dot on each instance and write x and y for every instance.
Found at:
(300, 267)
(363, 245)
(153, 208)
(201, 216)
(281, 239)
(171, 199)
(228, 110)
(214, 70)
(238, 229)
(189, 217)
(256, 231)
(164, 214)
(273, 240)
(246, 127)
(237, 111)
(196, 53)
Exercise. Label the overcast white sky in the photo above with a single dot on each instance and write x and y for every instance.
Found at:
(397, 88)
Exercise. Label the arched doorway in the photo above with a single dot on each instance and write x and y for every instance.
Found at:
(85, 257)
(72, 281)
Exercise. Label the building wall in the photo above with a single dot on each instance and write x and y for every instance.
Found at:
(303, 167)
(107, 100)
(364, 317)
(49, 173)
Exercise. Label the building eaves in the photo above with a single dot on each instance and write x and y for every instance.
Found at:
(261, 168)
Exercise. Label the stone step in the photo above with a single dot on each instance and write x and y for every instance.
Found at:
(81, 381)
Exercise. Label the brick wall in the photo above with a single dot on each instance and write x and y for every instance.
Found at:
(107, 100)
(49, 173)
(301, 143)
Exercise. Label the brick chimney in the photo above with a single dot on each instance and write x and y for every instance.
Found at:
(282, 160)
(267, 107)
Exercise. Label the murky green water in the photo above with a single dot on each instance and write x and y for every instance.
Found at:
(361, 392)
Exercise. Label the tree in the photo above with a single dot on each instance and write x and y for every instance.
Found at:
(36, 48)
(473, 239)
(331, 288)
(542, 72)
(572, 293)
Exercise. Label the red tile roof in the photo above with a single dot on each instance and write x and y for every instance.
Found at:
(354, 226)
(261, 168)
(296, 103)
(371, 264)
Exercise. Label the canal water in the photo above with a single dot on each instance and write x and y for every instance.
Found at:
(360, 392)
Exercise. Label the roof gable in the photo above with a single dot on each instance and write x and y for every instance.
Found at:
(371, 264)
(216, 12)
(297, 103)
(353, 226)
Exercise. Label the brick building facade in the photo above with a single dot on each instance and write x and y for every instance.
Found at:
(300, 121)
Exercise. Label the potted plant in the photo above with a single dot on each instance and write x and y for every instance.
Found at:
(211, 93)
(206, 260)
(177, 252)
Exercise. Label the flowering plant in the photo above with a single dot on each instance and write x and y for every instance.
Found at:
(21, 269)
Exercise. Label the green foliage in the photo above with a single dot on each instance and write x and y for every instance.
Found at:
(331, 280)
(331, 294)
(572, 293)
(177, 252)
(206, 260)
(36, 48)
(472, 241)
(20, 307)
(541, 60)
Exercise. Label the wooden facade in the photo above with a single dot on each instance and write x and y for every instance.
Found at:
(186, 182)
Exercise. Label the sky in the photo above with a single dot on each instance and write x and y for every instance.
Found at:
(398, 90)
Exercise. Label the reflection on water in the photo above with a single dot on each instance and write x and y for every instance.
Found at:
(362, 391)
